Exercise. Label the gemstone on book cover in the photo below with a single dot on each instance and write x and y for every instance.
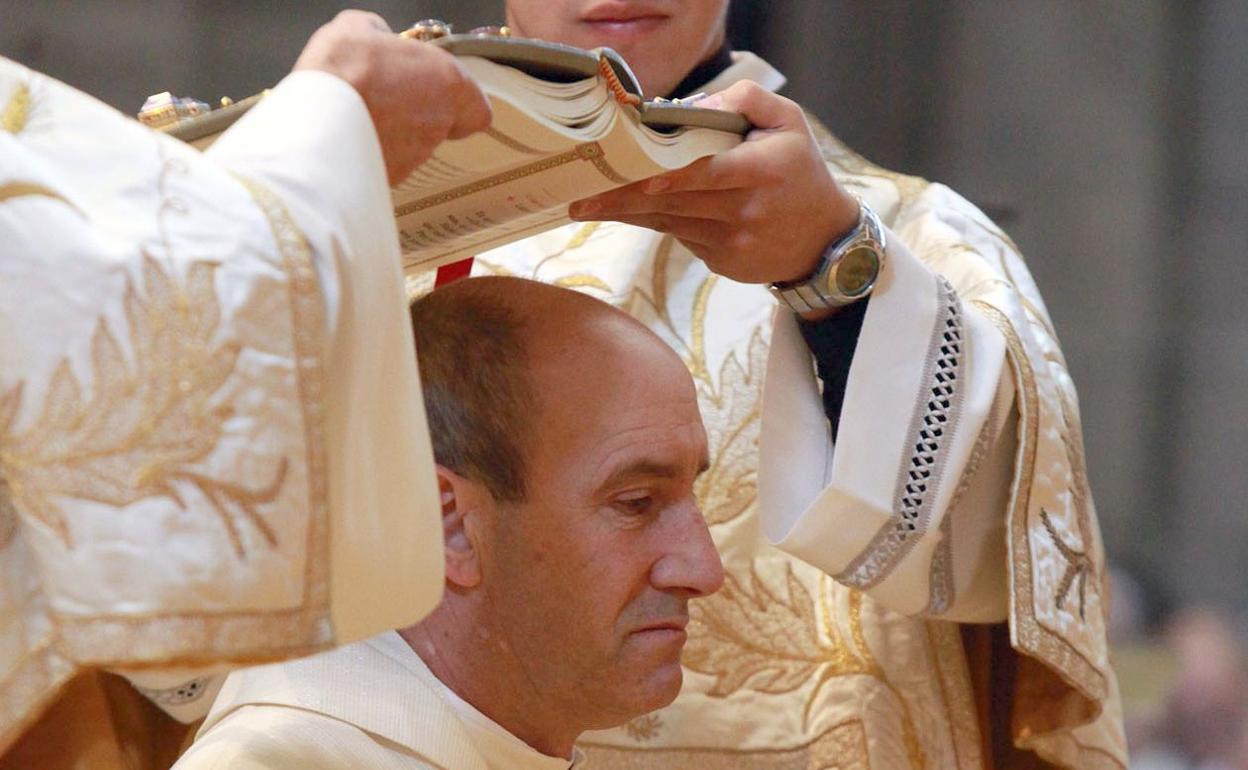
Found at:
(490, 31)
(427, 29)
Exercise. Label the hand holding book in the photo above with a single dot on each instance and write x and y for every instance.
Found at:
(760, 212)
(417, 96)
(566, 123)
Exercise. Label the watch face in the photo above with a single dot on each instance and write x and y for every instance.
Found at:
(856, 271)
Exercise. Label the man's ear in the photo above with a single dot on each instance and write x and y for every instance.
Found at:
(462, 502)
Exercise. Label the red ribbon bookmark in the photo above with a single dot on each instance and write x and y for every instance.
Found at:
(452, 272)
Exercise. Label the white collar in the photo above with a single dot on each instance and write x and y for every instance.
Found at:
(746, 66)
(501, 749)
(381, 686)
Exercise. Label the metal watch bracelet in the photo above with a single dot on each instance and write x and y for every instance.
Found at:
(820, 290)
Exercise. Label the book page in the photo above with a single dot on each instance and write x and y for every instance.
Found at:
(516, 135)
(502, 207)
(533, 196)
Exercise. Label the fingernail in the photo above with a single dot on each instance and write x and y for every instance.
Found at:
(658, 184)
(711, 102)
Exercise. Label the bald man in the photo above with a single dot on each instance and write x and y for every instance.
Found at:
(568, 440)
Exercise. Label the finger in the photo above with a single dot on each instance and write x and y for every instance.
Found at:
(377, 23)
(363, 19)
(710, 102)
(610, 198)
(744, 166)
(714, 172)
(434, 71)
(701, 232)
(474, 111)
(718, 205)
(764, 109)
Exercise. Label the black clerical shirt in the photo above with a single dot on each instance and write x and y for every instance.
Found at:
(832, 340)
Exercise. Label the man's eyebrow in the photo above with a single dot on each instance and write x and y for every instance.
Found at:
(650, 468)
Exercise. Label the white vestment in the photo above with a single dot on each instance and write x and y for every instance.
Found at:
(373, 704)
(212, 443)
(955, 493)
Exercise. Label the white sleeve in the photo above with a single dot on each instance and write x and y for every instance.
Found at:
(312, 143)
(215, 449)
(909, 503)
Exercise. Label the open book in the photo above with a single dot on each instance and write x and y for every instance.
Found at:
(568, 123)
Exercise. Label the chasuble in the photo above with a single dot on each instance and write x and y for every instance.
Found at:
(373, 704)
(953, 494)
(213, 450)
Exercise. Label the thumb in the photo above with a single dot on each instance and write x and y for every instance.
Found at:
(474, 112)
(761, 107)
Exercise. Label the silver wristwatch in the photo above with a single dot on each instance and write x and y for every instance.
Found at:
(846, 273)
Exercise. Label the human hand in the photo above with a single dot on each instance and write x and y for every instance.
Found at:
(763, 211)
(416, 94)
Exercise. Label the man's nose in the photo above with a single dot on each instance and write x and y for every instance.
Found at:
(690, 562)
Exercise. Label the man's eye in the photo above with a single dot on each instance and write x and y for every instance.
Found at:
(634, 505)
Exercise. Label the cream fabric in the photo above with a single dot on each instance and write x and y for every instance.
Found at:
(372, 704)
(787, 667)
(827, 507)
(192, 349)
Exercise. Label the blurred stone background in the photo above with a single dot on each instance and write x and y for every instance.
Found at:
(1105, 135)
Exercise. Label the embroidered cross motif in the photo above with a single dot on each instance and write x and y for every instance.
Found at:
(1078, 565)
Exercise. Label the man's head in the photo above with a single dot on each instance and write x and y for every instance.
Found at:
(662, 40)
(568, 439)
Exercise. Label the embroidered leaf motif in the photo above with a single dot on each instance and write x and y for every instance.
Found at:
(493, 268)
(644, 728)
(697, 339)
(730, 486)
(418, 284)
(749, 636)
(17, 111)
(658, 272)
(581, 236)
(9, 402)
(583, 281)
(650, 305)
(8, 517)
(146, 421)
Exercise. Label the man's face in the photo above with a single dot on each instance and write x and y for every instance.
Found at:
(589, 579)
(662, 40)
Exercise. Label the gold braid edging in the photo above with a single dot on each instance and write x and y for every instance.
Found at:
(948, 658)
(1031, 636)
(841, 747)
